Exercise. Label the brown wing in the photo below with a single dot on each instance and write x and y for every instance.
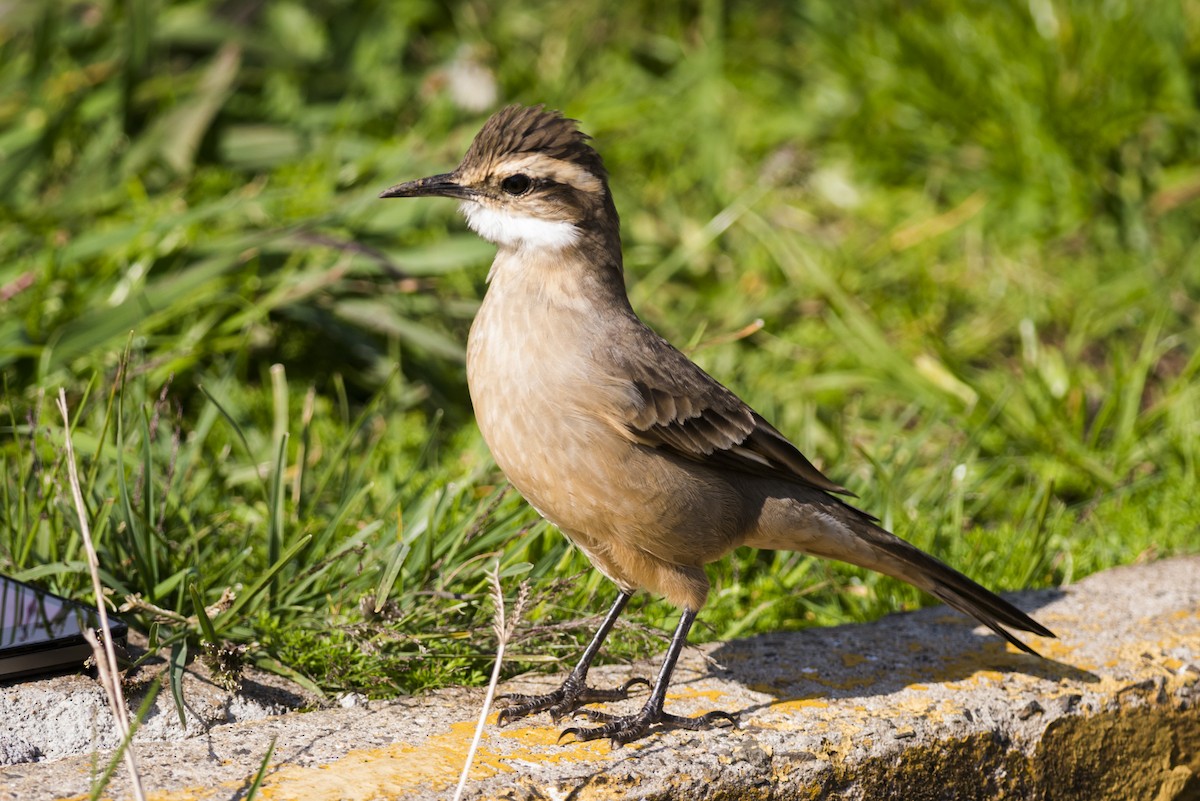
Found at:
(681, 409)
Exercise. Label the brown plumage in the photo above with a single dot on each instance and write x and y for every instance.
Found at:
(642, 459)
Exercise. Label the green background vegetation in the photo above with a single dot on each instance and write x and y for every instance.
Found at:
(969, 230)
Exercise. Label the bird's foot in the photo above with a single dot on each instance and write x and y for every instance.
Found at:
(621, 729)
(573, 694)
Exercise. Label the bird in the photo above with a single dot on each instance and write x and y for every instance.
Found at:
(649, 465)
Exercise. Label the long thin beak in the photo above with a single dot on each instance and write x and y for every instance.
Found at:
(434, 186)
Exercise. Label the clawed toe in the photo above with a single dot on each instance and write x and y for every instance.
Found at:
(520, 706)
(700, 722)
(562, 702)
(590, 695)
(621, 729)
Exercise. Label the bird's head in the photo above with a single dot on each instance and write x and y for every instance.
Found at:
(530, 180)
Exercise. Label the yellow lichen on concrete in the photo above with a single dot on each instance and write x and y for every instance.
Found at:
(193, 793)
(690, 693)
(225, 790)
(396, 770)
(852, 660)
(797, 704)
(222, 791)
(1061, 652)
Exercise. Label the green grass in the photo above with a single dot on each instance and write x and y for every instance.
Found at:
(970, 231)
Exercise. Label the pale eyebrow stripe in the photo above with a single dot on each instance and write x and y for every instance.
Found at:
(541, 166)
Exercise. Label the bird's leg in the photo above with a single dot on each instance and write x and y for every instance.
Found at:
(574, 692)
(622, 729)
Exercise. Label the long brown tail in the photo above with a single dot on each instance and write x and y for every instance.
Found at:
(906, 562)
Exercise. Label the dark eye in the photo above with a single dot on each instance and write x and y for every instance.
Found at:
(516, 184)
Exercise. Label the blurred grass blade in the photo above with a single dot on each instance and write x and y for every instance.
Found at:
(280, 669)
(390, 573)
(206, 626)
(237, 430)
(101, 782)
(240, 603)
(276, 522)
(175, 672)
(256, 783)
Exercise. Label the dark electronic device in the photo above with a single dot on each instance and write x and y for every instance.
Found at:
(41, 632)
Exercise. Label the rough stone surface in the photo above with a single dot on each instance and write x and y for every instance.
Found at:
(69, 714)
(915, 706)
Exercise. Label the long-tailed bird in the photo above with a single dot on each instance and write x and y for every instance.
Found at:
(648, 464)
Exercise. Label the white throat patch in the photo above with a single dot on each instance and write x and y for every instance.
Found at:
(516, 230)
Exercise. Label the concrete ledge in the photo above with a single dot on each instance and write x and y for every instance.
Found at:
(915, 706)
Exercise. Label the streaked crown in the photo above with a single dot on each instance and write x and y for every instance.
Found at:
(516, 132)
(530, 180)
